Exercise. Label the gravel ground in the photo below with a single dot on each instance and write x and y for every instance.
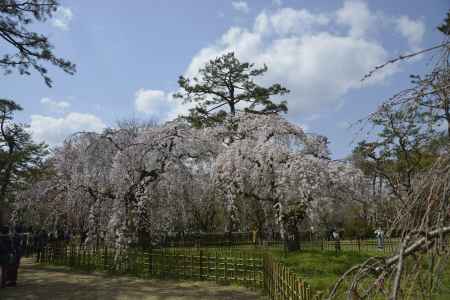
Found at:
(54, 283)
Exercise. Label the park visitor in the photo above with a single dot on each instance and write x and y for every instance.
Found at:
(337, 239)
(379, 233)
(5, 253)
(40, 242)
(18, 248)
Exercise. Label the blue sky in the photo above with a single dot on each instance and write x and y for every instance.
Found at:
(129, 56)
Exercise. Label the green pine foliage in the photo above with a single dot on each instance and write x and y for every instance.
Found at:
(226, 85)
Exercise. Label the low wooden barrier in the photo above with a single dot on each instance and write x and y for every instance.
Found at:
(390, 245)
(280, 283)
(254, 270)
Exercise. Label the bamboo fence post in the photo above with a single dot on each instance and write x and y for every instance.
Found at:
(216, 268)
(225, 268)
(184, 265)
(105, 258)
(192, 265)
(200, 265)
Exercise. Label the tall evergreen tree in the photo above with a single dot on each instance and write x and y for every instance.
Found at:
(29, 49)
(445, 26)
(226, 85)
(20, 157)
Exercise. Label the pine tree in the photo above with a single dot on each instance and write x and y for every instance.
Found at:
(225, 86)
(30, 49)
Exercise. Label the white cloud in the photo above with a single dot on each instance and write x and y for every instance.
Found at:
(150, 101)
(320, 57)
(241, 6)
(53, 131)
(159, 105)
(357, 16)
(62, 18)
(412, 30)
(292, 21)
(316, 62)
(55, 106)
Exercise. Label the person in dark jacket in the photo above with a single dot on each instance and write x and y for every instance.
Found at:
(41, 243)
(6, 252)
(18, 247)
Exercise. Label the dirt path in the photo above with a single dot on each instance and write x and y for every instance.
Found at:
(55, 283)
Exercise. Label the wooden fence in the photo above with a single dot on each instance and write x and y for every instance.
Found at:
(358, 245)
(390, 245)
(251, 269)
(280, 283)
(234, 239)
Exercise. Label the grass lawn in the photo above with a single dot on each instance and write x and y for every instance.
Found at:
(320, 269)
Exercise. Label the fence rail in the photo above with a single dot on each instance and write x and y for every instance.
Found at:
(177, 264)
(245, 240)
(390, 245)
(258, 271)
(281, 283)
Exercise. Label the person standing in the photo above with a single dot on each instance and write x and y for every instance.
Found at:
(337, 240)
(18, 247)
(5, 254)
(379, 233)
(41, 243)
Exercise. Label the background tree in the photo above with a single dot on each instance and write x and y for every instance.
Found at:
(227, 83)
(411, 153)
(139, 183)
(400, 150)
(445, 26)
(20, 158)
(29, 49)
